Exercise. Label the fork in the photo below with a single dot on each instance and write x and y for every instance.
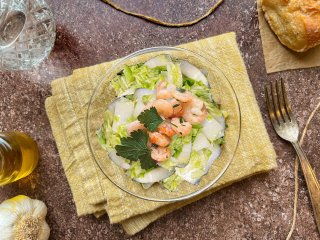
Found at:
(286, 126)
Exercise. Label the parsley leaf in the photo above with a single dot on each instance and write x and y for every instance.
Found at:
(146, 161)
(135, 148)
(150, 119)
(176, 105)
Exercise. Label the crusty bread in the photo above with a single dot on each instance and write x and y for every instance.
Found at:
(295, 22)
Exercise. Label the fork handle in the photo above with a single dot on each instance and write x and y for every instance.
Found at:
(312, 182)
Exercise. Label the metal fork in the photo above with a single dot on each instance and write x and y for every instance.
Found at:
(287, 128)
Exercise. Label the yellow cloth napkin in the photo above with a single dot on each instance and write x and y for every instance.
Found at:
(94, 194)
(278, 57)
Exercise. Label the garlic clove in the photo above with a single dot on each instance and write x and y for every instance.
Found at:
(12, 202)
(24, 206)
(7, 217)
(6, 233)
(44, 232)
(40, 209)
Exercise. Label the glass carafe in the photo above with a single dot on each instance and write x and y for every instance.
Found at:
(27, 33)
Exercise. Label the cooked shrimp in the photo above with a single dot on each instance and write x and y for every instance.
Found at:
(195, 111)
(182, 96)
(181, 128)
(163, 107)
(159, 139)
(166, 129)
(134, 126)
(177, 107)
(164, 91)
(160, 153)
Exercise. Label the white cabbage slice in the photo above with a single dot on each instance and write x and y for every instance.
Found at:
(158, 61)
(198, 165)
(184, 156)
(174, 74)
(213, 129)
(112, 106)
(129, 91)
(140, 92)
(123, 110)
(146, 185)
(215, 153)
(139, 107)
(155, 175)
(193, 72)
(221, 120)
(120, 161)
(201, 142)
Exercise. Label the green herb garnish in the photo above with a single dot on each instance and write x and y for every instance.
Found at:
(176, 105)
(135, 148)
(150, 119)
(181, 90)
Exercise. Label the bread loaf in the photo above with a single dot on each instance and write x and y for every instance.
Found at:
(295, 22)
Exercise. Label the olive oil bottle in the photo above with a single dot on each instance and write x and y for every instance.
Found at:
(18, 156)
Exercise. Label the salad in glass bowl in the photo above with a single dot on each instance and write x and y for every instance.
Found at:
(164, 127)
(163, 124)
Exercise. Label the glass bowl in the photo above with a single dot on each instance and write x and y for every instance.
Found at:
(223, 93)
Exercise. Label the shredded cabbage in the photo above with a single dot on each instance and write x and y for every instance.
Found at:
(196, 167)
(136, 76)
(105, 132)
(174, 74)
(147, 98)
(136, 171)
(169, 164)
(171, 183)
(177, 143)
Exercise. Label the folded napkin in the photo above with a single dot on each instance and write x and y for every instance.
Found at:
(94, 194)
(278, 57)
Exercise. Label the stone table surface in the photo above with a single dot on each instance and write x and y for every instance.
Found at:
(91, 32)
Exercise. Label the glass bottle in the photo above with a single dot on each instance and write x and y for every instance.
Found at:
(18, 156)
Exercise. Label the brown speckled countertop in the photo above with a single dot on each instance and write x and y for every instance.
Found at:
(90, 32)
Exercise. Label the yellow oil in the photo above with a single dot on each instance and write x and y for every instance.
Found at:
(18, 156)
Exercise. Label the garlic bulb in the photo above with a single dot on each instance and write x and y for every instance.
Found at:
(23, 218)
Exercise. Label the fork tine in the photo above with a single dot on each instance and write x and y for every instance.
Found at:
(270, 109)
(275, 104)
(286, 101)
(281, 103)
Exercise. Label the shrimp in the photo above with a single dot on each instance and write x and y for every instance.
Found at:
(160, 153)
(182, 128)
(195, 111)
(177, 107)
(159, 139)
(166, 129)
(163, 107)
(164, 91)
(182, 96)
(134, 126)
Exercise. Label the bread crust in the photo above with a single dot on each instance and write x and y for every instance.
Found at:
(295, 22)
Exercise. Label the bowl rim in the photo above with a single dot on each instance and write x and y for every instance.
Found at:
(110, 71)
